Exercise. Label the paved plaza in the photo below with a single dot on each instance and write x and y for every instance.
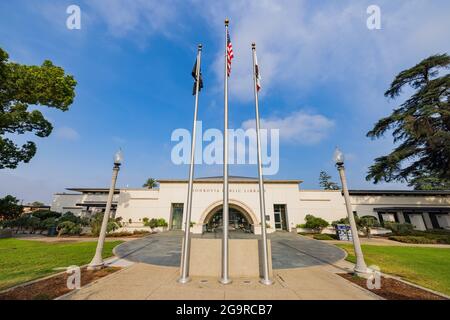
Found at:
(288, 250)
(303, 269)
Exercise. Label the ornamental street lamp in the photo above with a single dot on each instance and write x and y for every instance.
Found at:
(360, 267)
(97, 261)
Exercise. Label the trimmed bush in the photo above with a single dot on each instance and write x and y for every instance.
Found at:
(46, 214)
(68, 227)
(154, 223)
(128, 234)
(315, 223)
(323, 236)
(162, 222)
(413, 239)
(399, 228)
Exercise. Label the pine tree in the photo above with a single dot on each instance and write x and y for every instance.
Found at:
(420, 126)
(325, 183)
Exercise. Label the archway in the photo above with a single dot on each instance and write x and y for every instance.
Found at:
(240, 219)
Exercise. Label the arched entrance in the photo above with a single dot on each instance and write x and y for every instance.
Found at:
(240, 220)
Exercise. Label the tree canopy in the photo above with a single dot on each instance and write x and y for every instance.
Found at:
(420, 127)
(326, 183)
(9, 208)
(22, 86)
(150, 183)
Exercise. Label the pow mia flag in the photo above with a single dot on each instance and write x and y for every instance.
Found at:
(194, 75)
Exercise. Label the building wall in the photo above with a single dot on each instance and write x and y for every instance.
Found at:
(64, 202)
(328, 205)
(136, 204)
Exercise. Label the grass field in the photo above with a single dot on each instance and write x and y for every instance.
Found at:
(25, 260)
(428, 267)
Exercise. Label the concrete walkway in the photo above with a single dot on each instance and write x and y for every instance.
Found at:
(288, 250)
(314, 276)
(149, 282)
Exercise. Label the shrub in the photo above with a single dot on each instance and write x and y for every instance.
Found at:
(315, 223)
(322, 236)
(399, 228)
(413, 239)
(96, 224)
(46, 214)
(366, 223)
(32, 223)
(49, 223)
(154, 223)
(127, 233)
(68, 227)
(162, 222)
(340, 221)
(69, 216)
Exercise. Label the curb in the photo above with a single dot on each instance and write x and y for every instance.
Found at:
(68, 294)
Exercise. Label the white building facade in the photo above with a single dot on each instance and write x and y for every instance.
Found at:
(286, 204)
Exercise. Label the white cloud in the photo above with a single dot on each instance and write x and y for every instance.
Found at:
(142, 17)
(299, 127)
(67, 133)
(303, 44)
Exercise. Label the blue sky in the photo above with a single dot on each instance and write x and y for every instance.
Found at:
(323, 75)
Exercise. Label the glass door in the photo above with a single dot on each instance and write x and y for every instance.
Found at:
(177, 216)
(279, 214)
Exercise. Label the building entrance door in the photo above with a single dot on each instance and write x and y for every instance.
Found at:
(279, 214)
(177, 216)
(236, 222)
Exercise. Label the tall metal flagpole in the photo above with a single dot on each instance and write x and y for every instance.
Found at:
(262, 203)
(184, 278)
(225, 272)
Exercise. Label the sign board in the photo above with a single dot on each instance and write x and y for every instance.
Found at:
(344, 232)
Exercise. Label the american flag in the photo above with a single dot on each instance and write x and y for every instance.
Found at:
(230, 54)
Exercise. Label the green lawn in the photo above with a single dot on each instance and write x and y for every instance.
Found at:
(25, 260)
(429, 267)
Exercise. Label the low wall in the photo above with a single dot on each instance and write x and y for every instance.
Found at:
(5, 233)
(245, 258)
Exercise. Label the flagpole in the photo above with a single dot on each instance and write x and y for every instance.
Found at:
(262, 203)
(225, 272)
(184, 278)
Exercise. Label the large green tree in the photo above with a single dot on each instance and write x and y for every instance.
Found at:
(420, 127)
(9, 208)
(22, 86)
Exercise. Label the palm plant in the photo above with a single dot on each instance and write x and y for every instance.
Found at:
(150, 183)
